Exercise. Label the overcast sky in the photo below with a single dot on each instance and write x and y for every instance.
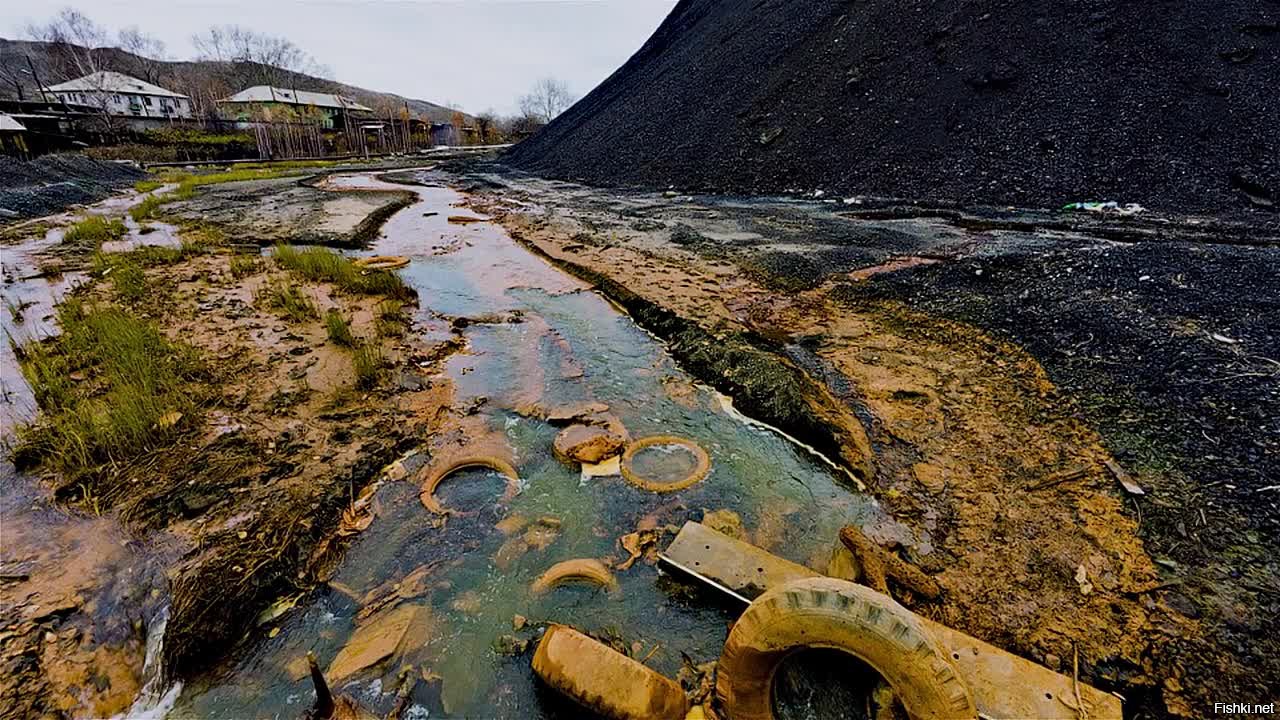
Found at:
(478, 54)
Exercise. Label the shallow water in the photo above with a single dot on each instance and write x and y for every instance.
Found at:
(568, 345)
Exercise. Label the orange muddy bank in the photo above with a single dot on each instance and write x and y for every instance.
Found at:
(972, 446)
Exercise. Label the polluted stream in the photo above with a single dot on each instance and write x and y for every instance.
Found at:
(451, 597)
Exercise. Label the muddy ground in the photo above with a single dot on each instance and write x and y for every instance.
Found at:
(991, 376)
(252, 499)
(287, 210)
(1011, 371)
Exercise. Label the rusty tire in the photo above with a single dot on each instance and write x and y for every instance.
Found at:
(694, 477)
(381, 262)
(438, 474)
(839, 615)
(587, 570)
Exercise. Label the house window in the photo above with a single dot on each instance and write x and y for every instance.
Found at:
(147, 99)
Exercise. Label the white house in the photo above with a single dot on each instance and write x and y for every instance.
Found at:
(120, 94)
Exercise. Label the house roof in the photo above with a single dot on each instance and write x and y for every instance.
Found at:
(105, 80)
(8, 123)
(269, 94)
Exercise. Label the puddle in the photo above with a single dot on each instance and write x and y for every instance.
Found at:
(549, 341)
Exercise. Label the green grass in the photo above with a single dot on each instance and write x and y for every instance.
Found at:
(390, 319)
(288, 300)
(129, 281)
(188, 182)
(147, 208)
(110, 386)
(94, 230)
(322, 265)
(369, 364)
(338, 329)
(244, 265)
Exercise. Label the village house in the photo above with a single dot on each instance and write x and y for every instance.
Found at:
(119, 94)
(264, 102)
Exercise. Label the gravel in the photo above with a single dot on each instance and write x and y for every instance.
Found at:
(1170, 105)
(50, 183)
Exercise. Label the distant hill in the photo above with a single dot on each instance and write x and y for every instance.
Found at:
(205, 81)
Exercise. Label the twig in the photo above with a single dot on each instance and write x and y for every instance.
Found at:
(877, 565)
(1058, 479)
(652, 652)
(1075, 682)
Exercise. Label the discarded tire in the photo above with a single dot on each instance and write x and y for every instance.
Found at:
(381, 262)
(840, 615)
(700, 470)
(438, 474)
(587, 570)
(605, 681)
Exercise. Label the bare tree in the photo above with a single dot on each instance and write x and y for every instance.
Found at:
(76, 42)
(148, 53)
(77, 45)
(266, 59)
(549, 98)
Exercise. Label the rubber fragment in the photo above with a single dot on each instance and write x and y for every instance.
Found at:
(604, 680)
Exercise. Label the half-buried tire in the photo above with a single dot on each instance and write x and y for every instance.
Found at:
(437, 474)
(838, 615)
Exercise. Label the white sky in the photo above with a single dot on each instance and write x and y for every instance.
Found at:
(478, 54)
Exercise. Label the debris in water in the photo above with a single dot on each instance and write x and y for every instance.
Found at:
(380, 639)
(702, 463)
(580, 570)
(604, 680)
(587, 444)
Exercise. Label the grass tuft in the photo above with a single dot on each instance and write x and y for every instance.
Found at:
(243, 265)
(94, 230)
(390, 319)
(288, 300)
(369, 364)
(322, 265)
(338, 329)
(109, 386)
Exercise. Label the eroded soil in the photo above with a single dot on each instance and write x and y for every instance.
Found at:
(999, 433)
(249, 504)
(991, 383)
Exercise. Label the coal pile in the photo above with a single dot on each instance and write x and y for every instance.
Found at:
(50, 183)
(1170, 105)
